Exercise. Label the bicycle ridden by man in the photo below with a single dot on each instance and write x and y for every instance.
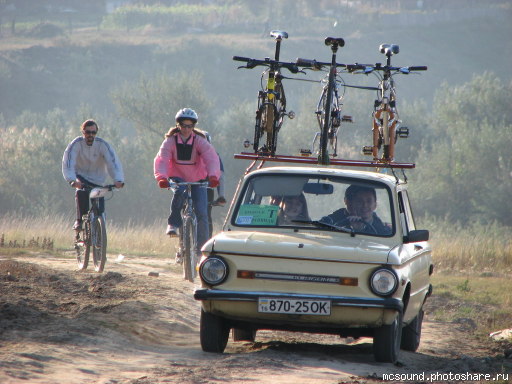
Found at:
(89, 160)
(186, 155)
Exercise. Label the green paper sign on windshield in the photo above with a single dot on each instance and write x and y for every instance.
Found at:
(252, 214)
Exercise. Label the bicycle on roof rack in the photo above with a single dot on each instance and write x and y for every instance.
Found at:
(271, 98)
(328, 110)
(386, 123)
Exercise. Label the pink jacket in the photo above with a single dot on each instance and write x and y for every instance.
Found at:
(196, 160)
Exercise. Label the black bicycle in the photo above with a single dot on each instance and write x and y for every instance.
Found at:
(328, 110)
(271, 98)
(93, 234)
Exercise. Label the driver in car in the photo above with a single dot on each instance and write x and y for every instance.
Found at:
(359, 214)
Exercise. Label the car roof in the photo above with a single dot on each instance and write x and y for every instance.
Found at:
(324, 171)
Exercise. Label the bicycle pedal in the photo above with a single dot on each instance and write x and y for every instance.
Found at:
(367, 150)
(403, 132)
(347, 119)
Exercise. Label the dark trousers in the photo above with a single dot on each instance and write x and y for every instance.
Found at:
(82, 200)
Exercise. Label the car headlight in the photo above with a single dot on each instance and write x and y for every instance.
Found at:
(383, 282)
(214, 270)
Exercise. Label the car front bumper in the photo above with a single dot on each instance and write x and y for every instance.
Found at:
(346, 312)
(339, 301)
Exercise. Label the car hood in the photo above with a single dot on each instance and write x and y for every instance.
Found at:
(304, 245)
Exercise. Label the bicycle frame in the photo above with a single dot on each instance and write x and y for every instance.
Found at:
(385, 117)
(188, 214)
(187, 237)
(271, 98)
(328, 110)
(94, 232)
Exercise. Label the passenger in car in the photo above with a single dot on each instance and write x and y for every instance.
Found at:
(359, 214)
(293, 208)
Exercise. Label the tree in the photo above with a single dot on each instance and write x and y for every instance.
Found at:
(151, 102)
(464, 168)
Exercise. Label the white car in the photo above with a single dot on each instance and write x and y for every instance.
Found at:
(351, 263)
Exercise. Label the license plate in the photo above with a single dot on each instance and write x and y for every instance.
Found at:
(294, 306)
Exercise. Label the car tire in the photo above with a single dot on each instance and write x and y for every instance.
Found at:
(241, 334)
(386, 341)
(411, 334)
(214, 332)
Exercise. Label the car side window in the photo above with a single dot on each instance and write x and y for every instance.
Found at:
(406, 217)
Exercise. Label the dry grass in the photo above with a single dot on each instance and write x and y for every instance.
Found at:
(479, 250)
(483, 304)
(482, 249)
(131, 239)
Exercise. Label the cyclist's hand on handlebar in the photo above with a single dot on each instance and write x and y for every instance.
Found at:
(213, 181)
(119, 184)
(163, 183)
(77, 184)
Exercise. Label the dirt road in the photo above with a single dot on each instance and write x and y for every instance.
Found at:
(58, 325)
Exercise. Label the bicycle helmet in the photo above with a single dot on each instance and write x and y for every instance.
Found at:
(186, 114)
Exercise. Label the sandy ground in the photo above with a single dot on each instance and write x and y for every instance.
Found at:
(58, 325)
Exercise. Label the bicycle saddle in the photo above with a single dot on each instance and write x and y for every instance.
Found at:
(279, 35)
(389, 49)
(338, 41)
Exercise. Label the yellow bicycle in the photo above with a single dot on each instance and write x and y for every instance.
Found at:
(271, 98)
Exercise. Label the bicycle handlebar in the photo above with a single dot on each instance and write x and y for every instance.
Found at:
(315, 65)
(418, 68)
(252, 63)
(87, 186)
(174, 183)
(368, 68)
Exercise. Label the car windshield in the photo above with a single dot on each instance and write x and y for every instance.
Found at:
(316, 202)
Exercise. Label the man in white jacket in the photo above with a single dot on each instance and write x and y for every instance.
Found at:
(89, 160)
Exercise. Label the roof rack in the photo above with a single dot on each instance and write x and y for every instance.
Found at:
(312, 160)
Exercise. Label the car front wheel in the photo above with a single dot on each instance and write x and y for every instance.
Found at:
(386, 341)
(214, 332)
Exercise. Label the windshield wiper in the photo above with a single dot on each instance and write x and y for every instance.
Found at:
(320, 224)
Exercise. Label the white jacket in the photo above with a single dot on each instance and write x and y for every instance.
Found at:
(94, 162)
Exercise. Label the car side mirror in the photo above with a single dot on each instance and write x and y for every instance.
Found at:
(416, 236)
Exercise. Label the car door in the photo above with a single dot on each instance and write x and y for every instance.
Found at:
(416, 258)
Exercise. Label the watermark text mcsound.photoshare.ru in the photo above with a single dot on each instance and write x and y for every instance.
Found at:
(433, 377)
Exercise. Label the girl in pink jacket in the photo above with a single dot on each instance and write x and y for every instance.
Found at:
(186, 155)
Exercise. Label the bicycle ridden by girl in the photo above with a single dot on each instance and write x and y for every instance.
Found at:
(186, 155)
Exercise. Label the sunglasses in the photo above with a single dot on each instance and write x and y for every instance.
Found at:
(187, 125)
(89, 132)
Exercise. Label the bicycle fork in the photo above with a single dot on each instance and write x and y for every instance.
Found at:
(384, 131)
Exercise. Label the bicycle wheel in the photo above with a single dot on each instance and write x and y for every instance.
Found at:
(268, 115)
(99, 243)
(188, 250)
(278, 114)
(83, 245)
(258, 130)
(323, 153)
